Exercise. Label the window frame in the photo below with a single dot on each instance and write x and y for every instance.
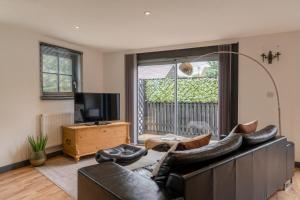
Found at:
(75, 80)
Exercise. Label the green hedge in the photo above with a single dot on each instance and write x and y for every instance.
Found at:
(190, 90)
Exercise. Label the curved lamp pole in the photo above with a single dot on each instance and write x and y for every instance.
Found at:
(262, 66)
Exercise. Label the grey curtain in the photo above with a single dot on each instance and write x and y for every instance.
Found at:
(130, 71)
(228, 88)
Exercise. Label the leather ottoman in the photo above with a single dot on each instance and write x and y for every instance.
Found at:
(123, 154)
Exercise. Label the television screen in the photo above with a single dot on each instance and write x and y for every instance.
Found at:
(96, 107)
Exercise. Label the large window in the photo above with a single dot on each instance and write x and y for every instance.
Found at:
(60, 72)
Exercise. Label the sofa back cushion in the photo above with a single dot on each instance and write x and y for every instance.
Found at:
(176, 159)
(260, 136)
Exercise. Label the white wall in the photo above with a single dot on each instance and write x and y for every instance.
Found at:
(20, 103)
(253, 82)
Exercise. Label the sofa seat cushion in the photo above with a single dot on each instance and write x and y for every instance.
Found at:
(122, 154)
(146, 171)
(260, 136)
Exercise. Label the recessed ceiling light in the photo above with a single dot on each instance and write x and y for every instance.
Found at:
(76, 27)
(147, 13)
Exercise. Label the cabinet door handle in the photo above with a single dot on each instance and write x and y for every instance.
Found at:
(68, 141)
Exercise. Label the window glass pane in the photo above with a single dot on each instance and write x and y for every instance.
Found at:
(65, 66)
(156, 101)
(65, 83)
(50, 83)
(59, 68)
(197, 98)
(50, 63)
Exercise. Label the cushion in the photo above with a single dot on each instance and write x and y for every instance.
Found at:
(249, 127)
(260, 136)
(163, 143)
(195, 142)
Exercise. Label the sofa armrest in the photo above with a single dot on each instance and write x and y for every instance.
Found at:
(111, 181)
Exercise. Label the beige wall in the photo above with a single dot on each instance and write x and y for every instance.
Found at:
(254, 85)
(114, 77)
(20, 103)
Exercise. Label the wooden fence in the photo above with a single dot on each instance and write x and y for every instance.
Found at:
(193, 118)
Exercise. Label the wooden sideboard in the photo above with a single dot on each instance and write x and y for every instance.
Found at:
(82, 140)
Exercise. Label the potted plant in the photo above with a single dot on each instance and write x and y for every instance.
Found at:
(38, 154)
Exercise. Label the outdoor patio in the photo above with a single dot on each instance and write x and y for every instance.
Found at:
(172, 102)
(157, 118)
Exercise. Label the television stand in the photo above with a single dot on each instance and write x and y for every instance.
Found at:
(102, 123)
(82, 140)
(96, 123)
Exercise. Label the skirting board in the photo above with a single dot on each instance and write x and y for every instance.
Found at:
(26, 162)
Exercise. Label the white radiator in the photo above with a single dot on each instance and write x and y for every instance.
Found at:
(51, 125)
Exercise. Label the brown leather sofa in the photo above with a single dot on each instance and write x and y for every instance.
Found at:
(249, 173)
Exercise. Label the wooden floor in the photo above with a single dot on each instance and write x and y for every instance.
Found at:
(28, 183)
(292, 192)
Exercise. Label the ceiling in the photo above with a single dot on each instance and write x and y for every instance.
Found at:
(114, 25)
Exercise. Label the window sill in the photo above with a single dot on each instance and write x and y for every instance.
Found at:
(46, 97)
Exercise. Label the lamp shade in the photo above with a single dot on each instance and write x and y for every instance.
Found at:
(186, 68)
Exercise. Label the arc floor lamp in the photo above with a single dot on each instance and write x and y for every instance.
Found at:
(187, 67)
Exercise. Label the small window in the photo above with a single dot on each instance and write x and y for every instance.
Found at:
(60, 72)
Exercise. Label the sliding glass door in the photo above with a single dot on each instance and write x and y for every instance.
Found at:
(197, 98)
(177, 97)
(156, 100)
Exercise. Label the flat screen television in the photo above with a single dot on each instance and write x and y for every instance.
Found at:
(96, 107)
